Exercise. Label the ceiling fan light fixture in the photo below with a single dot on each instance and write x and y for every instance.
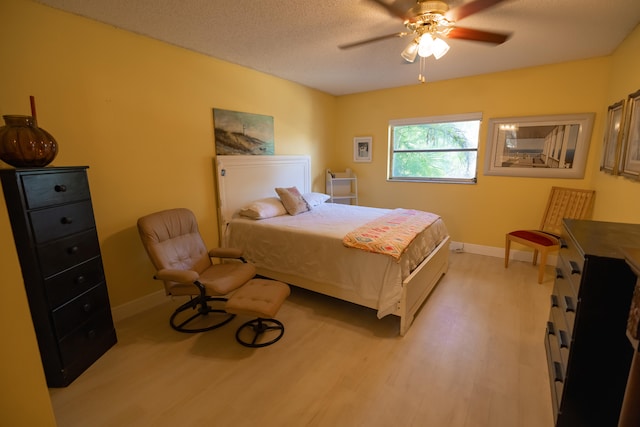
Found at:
(425, 47)
(440, 47)
(411, 51)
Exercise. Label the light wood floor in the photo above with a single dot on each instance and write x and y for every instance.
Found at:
(473, 357)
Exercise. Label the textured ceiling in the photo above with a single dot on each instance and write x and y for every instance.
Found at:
(297, 40)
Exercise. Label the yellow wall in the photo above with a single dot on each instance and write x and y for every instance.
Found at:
(25, 401)
(618, 198)
(138, 112)
(480, 213)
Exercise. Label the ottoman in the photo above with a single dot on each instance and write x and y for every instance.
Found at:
(259, 298)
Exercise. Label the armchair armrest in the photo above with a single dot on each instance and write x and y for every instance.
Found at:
(225, 253)
(180, 276)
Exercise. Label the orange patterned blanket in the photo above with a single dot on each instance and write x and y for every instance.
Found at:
(391, 233)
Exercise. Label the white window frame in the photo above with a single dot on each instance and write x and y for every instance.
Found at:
(428, 120)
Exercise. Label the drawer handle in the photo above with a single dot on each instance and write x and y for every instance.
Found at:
(550, 328)
(575, 268)
(60, 188)
(557, 368)
(563, 243)
(559, 273)
(91, 334)
(562, 337)
(66, 220)
(554, 301)
(72, 250)
(568, 302)
(87, 307)
(80, 280)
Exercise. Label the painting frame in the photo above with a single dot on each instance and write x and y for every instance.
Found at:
(612, 141)
(240, 133)
(551, 146)
(630, 147)
(362, 147)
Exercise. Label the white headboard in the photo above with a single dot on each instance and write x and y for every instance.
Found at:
(243, 179)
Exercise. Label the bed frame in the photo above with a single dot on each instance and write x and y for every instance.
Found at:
(243, 179)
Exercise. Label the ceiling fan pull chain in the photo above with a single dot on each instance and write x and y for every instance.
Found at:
(423, 66)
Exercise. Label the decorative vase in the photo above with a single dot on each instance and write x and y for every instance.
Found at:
(24, 144)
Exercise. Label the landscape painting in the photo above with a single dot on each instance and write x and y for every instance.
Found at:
(243, 133)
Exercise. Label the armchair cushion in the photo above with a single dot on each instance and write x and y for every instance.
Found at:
(180, 276)
(225, 253)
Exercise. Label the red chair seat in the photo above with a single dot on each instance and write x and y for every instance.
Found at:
(535, 236)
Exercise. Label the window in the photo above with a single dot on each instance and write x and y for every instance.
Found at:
(434, 149)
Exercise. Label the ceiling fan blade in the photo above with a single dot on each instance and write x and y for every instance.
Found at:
(477, 35)
(471, 8)
(395, 9)
(372, 40)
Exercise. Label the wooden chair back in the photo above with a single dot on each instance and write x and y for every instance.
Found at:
(569, 203)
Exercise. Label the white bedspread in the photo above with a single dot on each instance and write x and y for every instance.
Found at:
(310, 245)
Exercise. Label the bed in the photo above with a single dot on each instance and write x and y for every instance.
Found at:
(307, 250)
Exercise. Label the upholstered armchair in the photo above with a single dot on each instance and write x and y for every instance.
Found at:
(176, 249)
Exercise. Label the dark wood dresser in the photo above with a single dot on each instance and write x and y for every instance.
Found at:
(57, 244)
(587, 349)
(630, 413)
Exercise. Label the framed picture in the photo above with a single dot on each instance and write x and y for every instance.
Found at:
(631, 138)
(362, 149)
(539, 146)
(242, 133)
(612, 138)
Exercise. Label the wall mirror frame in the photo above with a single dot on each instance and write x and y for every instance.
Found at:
(612, 138)
(553, 146)
(630, 162)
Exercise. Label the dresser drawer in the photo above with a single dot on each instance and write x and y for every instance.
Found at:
(80, 309)
(65, 253)
(87, 338)
(556, 315)
(557, 330)
(571, 263)
(556, 368)
(54, 188)
(53, 223)
(66, 285)
(566, 299)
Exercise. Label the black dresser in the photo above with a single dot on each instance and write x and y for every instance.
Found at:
(587, 349)
(630, 413)
(55, 235)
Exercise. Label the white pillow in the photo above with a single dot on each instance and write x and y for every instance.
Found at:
(315, 199)
(264, 208)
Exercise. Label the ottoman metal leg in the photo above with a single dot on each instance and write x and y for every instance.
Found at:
(257, 328)
(259, 298)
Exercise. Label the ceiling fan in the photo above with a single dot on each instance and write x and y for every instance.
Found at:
(429, 23)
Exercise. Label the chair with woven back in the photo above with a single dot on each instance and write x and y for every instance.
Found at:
(563, 203)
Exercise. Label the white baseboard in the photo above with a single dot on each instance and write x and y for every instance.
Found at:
(516, 255)
(136, 306)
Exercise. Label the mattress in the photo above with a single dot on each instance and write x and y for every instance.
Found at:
(310, 245)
